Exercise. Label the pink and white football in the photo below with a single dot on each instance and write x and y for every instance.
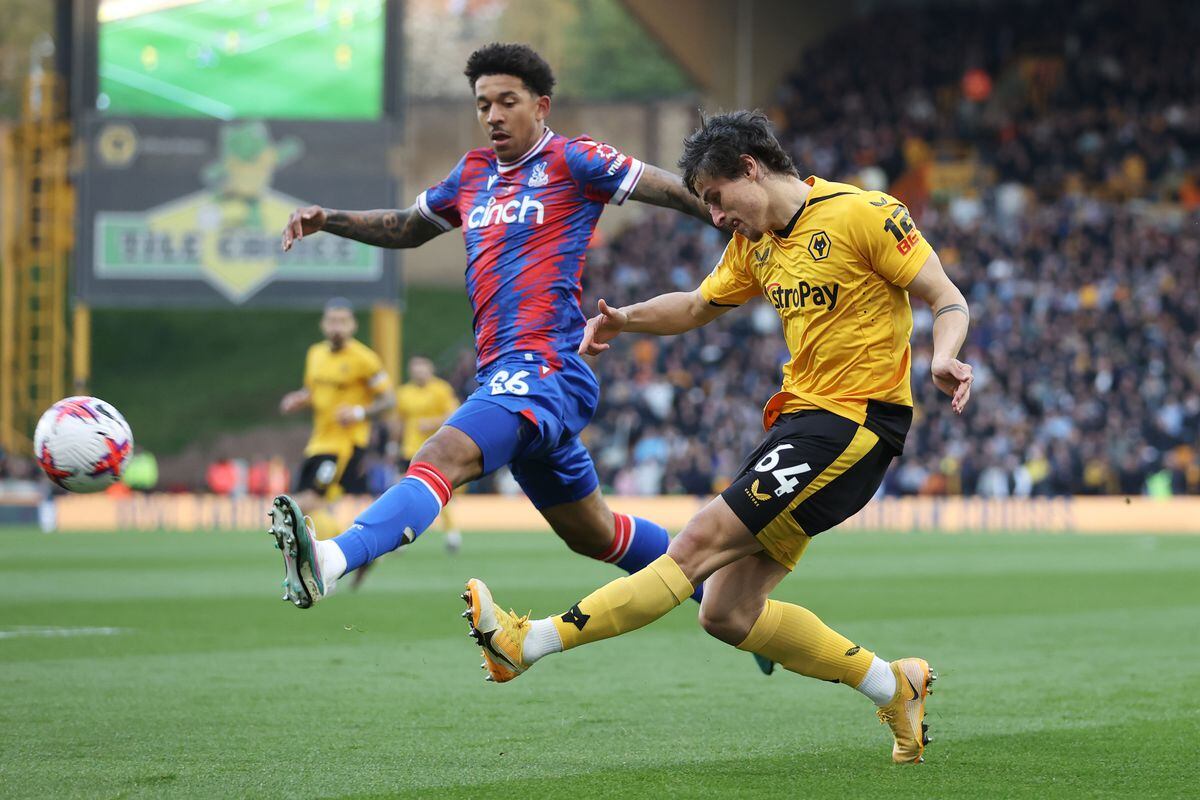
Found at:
(82, 444)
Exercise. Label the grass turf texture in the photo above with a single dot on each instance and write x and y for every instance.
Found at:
(256, 51)
(1066, 671)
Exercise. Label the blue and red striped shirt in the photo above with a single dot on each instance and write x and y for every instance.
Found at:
(526, 226)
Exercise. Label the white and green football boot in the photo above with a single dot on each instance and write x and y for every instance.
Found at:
(303, 582)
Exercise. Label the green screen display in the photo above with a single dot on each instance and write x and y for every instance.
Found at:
(229, 59)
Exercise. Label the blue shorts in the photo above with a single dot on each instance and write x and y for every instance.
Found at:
(528, 415)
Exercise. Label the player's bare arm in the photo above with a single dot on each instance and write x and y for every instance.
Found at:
(390, 228)
(658, 187)
(665, 315)
(950, 319)
(384, 401)
(294, 401)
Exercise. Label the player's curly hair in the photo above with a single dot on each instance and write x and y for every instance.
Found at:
(715, 148)
(518, 60)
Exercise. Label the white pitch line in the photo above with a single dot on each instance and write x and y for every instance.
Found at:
(259, 41)
(282, 33)
(48, 633)
(246, 10)
(166, 26)
(176, 94)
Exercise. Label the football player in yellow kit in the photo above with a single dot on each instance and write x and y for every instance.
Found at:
(423, 403)
(838, 264)
(346, 387)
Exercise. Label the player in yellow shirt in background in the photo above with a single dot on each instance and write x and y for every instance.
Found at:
(346, 387)
(838, 264)
(422, 405)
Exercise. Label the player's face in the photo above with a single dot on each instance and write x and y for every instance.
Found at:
(736, 204)
(420, 370)
(338, 325)
(511, 115)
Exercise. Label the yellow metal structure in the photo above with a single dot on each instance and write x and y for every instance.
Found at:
(386, 333)
(36, 237)
(81, 347)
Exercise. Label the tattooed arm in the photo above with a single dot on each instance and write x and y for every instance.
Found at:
(392, 228)
(950, 319)
(661, 188)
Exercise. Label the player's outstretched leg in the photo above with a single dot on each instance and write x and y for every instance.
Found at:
(587, 525)
(308, 573)
(313, 566)
(398, 516)
(512, 644)
(800, 642)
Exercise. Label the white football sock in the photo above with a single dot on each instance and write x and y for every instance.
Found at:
(542, 640)
(880, 682)
(331, 560)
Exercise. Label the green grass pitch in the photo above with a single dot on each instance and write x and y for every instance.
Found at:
(252, 58)
(1068, 669)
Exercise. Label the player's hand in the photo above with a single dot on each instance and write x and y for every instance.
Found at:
(954, 378)
(349, 415)
(302, 222)
(602, 329)
(293, 401)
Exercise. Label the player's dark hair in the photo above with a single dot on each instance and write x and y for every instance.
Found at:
(716, 148)
(339, 303)
(519, 60)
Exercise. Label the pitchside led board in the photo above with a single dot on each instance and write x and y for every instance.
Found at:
(204, 123)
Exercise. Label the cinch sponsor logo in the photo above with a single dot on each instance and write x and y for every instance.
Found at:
(505, 213)
(803, 295)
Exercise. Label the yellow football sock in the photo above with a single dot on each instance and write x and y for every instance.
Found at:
(326, 525)
(794, 637)
(626, 604)
(446, 520)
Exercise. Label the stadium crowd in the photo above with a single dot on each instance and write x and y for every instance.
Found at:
(1085, 339)
(1057, 96)
(1074, 231)
(1050, 152)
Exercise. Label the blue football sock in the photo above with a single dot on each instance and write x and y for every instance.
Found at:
(636, 543)
(403, 511)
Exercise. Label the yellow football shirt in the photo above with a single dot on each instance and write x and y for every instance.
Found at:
(417, 404)
(836, 277)
(352, 376)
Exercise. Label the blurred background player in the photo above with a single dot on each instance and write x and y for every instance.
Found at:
(527, 206)
(346, 387)
(423, 404)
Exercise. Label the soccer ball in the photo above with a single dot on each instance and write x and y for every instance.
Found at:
(82, 444)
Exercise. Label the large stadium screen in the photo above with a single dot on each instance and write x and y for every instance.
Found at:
(229, 59)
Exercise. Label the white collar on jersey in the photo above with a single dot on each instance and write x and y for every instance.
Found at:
(509, 166)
